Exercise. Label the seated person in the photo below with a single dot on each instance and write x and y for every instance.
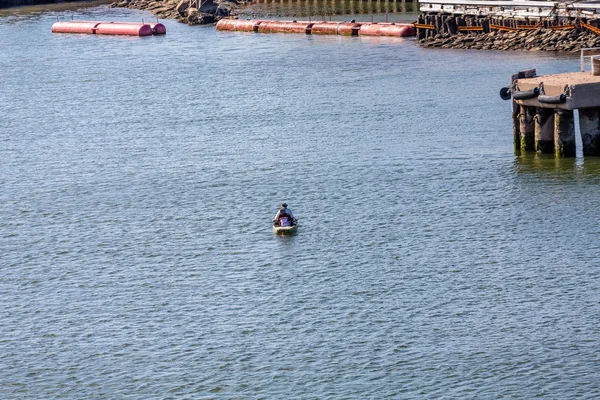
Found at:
(284, 212)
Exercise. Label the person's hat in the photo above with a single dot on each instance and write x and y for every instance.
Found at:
(284, 204)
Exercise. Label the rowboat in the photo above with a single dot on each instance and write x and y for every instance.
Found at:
(285, 230)
(284, 226)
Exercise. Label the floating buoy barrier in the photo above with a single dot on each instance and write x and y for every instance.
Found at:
(335, 28)
(109, 28)
(387, 29)
(75, 27)
(123, 29)
(319, 28)
(285, 27)
(240, 25)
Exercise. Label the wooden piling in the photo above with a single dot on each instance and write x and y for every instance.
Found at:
(589, 125)
(516, 108)
(564, 133)
(421, 33)
(527, 128)
(544, 130)
(516, 111)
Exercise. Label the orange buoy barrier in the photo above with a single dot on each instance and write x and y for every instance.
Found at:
(284, 27)
(226, 24)
(109, 28)
(399, 30)
(335, 28)
(240, 25)
(319, 28)
(387, 29)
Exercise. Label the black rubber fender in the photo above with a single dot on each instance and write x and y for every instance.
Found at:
(527, 94)
(505, 93)
(561, 98)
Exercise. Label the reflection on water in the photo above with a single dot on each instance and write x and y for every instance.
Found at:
(548, 164)
(329, 9)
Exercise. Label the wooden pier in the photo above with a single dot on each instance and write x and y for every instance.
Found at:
(519, 9)
(440, 19)
(543, 110)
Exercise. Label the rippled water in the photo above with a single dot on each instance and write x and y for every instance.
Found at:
(138, 178)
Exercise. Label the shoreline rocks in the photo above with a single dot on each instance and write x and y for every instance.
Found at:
(534, 40)
(541, 39)
(185, 11)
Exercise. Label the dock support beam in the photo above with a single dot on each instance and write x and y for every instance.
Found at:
(527, 128)
(544, 130)
(589, 124)
(564, 133)
(516, 111)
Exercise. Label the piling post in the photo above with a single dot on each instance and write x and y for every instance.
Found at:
(451, 26)
(527, 128)
(421, 33)
(544, 130)
(564, 133)
(589, 125)
(523, 123)
(516, 111)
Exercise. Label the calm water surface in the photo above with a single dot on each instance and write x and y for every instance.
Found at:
(138, 178)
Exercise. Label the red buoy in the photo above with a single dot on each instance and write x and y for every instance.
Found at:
(158, 29)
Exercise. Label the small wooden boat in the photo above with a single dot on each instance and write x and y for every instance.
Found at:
(284, 230)
(285, 227)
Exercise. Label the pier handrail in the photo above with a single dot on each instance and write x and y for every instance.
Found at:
(584, 5)
(588, 52)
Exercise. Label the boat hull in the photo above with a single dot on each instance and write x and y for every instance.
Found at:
(285, 230)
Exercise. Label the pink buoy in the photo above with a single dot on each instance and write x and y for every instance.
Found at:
(109, 28)
(75, 27)
(158, 29)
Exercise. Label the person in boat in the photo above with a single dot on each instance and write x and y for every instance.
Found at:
(284, 212)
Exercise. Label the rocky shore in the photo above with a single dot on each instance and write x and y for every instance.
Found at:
(191, 12)
(531, 40)
(198, 12)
